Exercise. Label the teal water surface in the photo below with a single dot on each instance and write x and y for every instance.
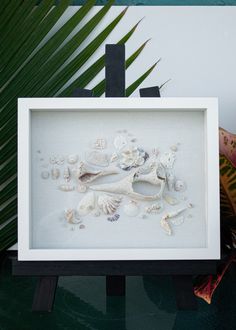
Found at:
(81, 304)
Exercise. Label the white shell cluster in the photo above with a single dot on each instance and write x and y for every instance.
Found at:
(132, 157)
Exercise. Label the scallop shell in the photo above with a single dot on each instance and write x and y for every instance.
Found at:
(72, 159)
(108, 204)
(120, 142)
(86, 205)
(131, 209)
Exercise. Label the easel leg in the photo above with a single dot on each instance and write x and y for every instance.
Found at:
(185, 298)
(45, 294)
(115, 285)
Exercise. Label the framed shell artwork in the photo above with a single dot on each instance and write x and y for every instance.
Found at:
(118, 179)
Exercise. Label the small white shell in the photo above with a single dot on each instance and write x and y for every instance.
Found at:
(70, 216)
(108, 204)
(86, 205)
(120, 142)
(72, 159)
(131, 209)
(174, 148)
(165, 225)
(67, 174)
(171, 200)
(99, 143)
(66, 187)
(154, 208)
(45, 174)
(55, 173)
(114, 157)
(180, 185)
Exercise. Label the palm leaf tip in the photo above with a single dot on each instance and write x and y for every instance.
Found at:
(137, 83)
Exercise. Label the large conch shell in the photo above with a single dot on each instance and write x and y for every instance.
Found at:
(85, 175)
(125, 187)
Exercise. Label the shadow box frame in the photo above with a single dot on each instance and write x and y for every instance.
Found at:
(209, 106)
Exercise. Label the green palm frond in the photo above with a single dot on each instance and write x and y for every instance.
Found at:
(36, 62)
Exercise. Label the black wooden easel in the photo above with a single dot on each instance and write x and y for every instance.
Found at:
(48, 272)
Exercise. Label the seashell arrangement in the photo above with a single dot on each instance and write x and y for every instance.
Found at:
(108, 204)
(133, 164)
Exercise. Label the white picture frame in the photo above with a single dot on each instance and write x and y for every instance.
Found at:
(208, 107)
